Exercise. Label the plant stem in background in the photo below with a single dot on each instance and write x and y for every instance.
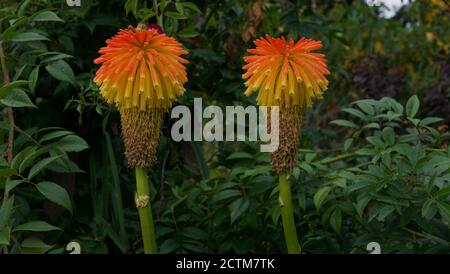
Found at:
(143, 205)
(287, 215)
(9, 110)
(159, 17)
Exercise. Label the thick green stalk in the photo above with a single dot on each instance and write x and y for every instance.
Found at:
(143, 205)
(287, 215)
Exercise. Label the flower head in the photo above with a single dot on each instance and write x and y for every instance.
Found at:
(286, 73)
(141, 68)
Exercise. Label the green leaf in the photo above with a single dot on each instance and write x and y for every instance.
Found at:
(175, 15)
(15, 163)
(38, 167)
(5, 172)
(344, 123)
(384, 212)
(320, 196)
(348, 143)
(72, 143)
(371, 125)
(195, 233)
(5, 236)
(33, 245)
(6, 211)
(46, 16)
(60, 70)
(225, 194)
(6, 88)
(168, 246)
(28, 36)
(19, 72)
(17, 98)
(54, 135)
(188, 33)
(191, 6)
(375, 141)
(442, 193)
(55, 56)
(10, 185)
(388, 135)
(412, 106)
(356, 113)
(336, 220)
(55, 193)
(429, 120)
(131, 5)
(32, 79)
(238, 207)
(361, 205)
(427, 209)
(366, 107)
(36, 226)
(30, 158)
(444, 210)
(240, 155)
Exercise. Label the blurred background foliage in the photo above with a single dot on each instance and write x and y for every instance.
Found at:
(374, 160)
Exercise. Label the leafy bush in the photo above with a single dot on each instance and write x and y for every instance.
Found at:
(376, 172)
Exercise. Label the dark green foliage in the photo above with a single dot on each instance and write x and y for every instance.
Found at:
(373, 163)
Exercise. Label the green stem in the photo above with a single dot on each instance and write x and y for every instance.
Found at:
(287, 215)
(143, 205)
(159, 17)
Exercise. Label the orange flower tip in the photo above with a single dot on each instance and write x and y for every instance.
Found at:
(299, 71)
(134, 66)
